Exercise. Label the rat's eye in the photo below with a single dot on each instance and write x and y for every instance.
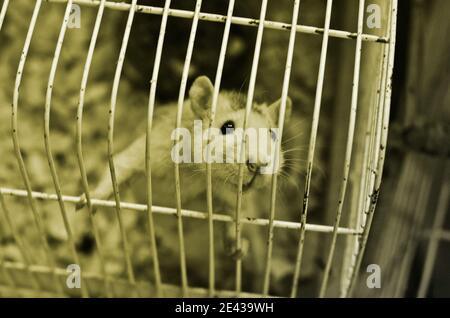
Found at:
(227, 127)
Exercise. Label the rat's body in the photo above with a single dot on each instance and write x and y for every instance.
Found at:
(230, 109)
(130, 163)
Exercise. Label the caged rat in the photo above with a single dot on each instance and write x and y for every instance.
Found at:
(130, 165)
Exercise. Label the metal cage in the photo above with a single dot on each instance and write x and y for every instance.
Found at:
(367, 145)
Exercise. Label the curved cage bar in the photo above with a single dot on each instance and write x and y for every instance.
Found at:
(357, 191)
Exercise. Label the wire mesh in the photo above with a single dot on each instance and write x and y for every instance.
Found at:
(104, 284)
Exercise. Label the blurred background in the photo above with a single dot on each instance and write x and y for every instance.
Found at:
(410, 235)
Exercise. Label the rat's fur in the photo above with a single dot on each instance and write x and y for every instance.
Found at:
(131, 162)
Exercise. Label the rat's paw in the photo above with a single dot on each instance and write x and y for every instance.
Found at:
(238, 253)
(81, 203)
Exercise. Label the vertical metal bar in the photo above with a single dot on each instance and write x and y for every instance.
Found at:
(84, 291)
(112, 112)
(420, 205)
(5, 272)
(366, 196)
(405, 202)
(382, 148)
(7, 275)
(26, 255)
(375, 134)
(312, 145)
(15, 137)
(151, 106)
(248, 109)
(375, 139)
(209, 196)
(348, 149)
(84, 180)
(370, 157)
(387, 97)
(177, 175)
(373, 123)
(281, 117)
(3, 12)
(433, 243)
(374, 150)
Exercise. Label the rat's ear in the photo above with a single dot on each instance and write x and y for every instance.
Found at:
(200, 95)
(274, 110)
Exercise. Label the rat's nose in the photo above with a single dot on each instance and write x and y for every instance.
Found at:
(255, 166)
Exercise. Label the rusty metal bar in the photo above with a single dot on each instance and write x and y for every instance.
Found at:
(348, 149)
(17, 150)
(148, 171)
(433, 243)
(3, 12)
(220, 217)
(24, 252)
(84, 180)
(215, 97)
(112, 111)
(48, 98)
(218, 18)
(312, 145)
(382, 145)
(281, 117)
(248, 109)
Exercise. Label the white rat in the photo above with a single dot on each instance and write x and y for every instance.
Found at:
(229, 116)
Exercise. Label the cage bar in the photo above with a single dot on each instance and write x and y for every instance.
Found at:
(442, 234)
(144, 286)
(181, 96)
(312, 145)
(70, 239)
(374, 151)
(7, 276)
(281, 118)
(374, 121)
(365, 194)
(382, 145)
(78, 133)
(407, 203)
(17, 151)
(434, 239)
(248, 109)
(375, 139)
(215, 97)
(411, 245)
(3, 12)
(349, 148)
(151, 106)
(220, 216)
(234, 20)
(24, 252)
(112, 110)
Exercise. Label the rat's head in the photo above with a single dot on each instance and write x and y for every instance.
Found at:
(226, 136)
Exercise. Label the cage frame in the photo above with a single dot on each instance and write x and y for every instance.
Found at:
(377, 128)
